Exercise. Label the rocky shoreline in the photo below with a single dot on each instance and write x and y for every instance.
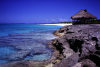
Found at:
(79, 45)
(75, 46)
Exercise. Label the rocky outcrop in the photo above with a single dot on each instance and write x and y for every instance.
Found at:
(78, 46)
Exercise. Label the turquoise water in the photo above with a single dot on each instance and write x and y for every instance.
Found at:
(6, 29)
(25, 42)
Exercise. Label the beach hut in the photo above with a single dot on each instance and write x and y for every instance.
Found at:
(83, 17)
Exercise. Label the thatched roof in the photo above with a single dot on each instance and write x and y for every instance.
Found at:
(83, 14)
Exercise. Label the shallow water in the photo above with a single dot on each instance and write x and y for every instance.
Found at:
(25, 42)
(5, 51)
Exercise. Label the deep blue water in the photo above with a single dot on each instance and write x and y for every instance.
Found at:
(25, 42)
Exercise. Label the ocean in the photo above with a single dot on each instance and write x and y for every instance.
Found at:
(25, 42)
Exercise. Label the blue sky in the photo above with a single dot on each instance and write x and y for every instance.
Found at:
(44, 11)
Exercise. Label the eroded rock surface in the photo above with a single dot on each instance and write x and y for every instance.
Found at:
(83, 40)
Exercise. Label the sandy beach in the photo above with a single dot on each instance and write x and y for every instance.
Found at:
(59, 24)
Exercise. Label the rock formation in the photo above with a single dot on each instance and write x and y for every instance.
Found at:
(79, 45)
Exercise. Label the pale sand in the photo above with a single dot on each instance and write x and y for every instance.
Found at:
(62, 24)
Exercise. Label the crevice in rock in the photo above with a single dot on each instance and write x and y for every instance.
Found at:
(59, 47)
(76, 45)
(92, 57)
(94, 39)
(95, 59)
(61, 31)
(69, 32)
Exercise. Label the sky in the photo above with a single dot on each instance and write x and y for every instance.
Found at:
(44, 11)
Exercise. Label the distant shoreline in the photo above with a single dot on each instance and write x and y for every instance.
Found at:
(59, 24)
(56, 24)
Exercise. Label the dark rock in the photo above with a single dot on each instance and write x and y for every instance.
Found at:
(88, 63)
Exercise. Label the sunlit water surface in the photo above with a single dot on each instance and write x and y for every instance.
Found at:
(25, 42)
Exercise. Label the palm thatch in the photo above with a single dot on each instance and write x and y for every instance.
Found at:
(83, 14)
